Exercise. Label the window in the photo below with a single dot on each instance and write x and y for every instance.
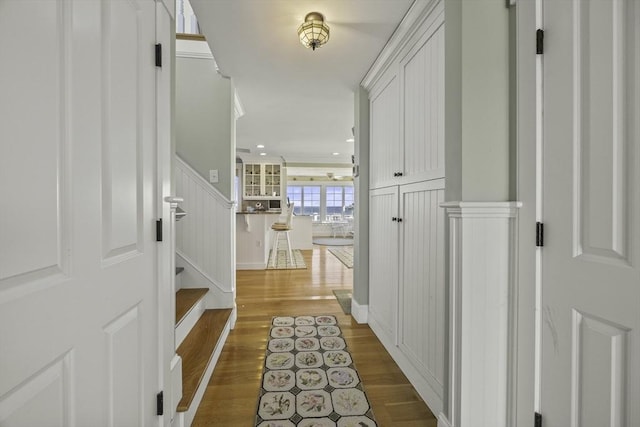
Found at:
(325, 203)
(306, 199)
(339, 202)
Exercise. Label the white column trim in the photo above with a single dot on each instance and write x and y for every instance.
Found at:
(482, 246)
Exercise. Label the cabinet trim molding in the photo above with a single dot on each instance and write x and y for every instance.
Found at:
(410, 24)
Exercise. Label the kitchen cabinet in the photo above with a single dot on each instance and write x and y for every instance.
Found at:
(262, 181)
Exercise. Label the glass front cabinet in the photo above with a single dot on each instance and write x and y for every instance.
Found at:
(262, 181)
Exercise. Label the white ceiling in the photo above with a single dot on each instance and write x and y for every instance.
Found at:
(298, 103)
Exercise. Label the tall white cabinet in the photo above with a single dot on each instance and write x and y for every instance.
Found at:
(407, 182)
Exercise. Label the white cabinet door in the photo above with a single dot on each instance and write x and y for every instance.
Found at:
(422, 130)
(383, 260)
(262, 181)
(422, 303)
(590, 308)
(385, 148)
(78, 300)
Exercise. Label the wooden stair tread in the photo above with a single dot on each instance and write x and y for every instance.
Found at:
(196, 351)
(187, 298)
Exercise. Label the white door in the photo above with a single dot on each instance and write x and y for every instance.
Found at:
(383, 261)
(590, 307)
(78, 302)
(386, 150)
(421, 328)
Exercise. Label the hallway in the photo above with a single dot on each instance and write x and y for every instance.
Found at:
(231, 396)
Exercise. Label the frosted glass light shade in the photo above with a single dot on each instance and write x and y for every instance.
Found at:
(313, 32)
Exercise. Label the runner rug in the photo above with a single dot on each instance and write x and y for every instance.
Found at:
(283, 263)
(309, 378)
(344, 299)
(345, 255)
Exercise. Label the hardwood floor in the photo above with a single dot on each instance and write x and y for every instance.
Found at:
(232, 394)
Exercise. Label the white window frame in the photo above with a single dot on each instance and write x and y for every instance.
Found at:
(322, 214)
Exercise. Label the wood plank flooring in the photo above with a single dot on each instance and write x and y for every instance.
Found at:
(232, 394)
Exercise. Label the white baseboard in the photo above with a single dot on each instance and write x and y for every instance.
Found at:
(431, 397)
(178, 420)
(234, 316)
(250, 266)
(359, 312)
(443, 421)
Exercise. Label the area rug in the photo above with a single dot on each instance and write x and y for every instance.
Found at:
(344, 299)
(345, 255)
(282, 261)
(333, 241)
(309, 378)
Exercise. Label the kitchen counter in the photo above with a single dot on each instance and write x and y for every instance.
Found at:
(258, 212)
(254, 237)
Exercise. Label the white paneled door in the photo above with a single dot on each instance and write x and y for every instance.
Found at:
(590, 306)
(422, 291)
(383, 261)
(78, 316)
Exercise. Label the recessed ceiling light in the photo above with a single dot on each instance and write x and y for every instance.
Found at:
(259, 146)
(350, 140)
(263, 154)
(335, 154)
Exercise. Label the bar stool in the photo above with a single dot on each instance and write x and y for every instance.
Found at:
(282, 227)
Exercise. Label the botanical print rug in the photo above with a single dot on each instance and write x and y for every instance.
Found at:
(309, 379)
(282, 261)
(345, 255)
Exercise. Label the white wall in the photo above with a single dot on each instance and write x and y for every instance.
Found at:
(477, 100)
(361, 193)
(205, 120)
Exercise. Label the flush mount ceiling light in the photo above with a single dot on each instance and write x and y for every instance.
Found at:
(313, 32)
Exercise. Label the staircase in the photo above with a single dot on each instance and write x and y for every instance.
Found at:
(200, 336)
(204, 285)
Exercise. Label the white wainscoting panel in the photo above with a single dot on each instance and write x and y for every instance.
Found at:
(205, 237)
(481, 311)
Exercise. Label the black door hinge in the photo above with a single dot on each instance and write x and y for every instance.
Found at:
(538, 420)
(160, 404)
(159, 230)
(159, 55)
(539, 234)
(539, 41)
